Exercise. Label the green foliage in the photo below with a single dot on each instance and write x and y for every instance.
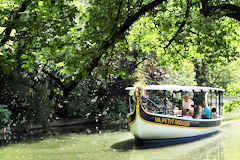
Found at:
(73, 58)
(118, 109)
(232, 106)
(224, 75)
(28, 103)
(4, 116)
(233, 89)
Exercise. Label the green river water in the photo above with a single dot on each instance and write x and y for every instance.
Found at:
(120, 146)
(222, 146)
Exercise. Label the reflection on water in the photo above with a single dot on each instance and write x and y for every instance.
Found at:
(208, 148)
(213, 149)
(223, 146)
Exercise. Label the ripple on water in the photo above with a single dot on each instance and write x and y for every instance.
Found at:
(222, 146)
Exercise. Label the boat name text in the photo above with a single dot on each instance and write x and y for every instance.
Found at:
(171, 121)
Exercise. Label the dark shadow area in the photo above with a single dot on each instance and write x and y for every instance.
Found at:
(58, 129)
(124, 146)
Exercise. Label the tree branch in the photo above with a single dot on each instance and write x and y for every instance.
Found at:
(57, 80)
(228, 10)
(115, 36)
(140, 62)
(126, 25)
(130, 20)
(180, 29)
(119, 11)
(231, 11)
(14, 17)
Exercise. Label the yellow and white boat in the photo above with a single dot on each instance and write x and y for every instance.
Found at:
(162, 125)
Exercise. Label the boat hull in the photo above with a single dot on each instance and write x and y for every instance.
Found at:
(149, 143)
(148, 130)
(148, 127)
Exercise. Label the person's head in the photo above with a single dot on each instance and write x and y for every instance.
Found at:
(214, 110)
(203, 104)
(186, 98)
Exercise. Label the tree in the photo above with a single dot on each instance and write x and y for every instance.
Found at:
(80, 51)
(65, 43)
(186, 34)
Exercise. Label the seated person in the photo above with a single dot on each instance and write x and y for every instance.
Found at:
(187, 105)
(176, 111)
(188, 114)
(196, 116)
(214, 113)
(206, 113)
(196, 112)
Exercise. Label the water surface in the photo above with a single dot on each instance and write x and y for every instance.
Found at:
(121, 146)
(223, 146)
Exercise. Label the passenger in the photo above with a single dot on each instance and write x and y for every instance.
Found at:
(206, 113)
(176, 111)
(189, 114)
(187, 106)
(196, 111)
(214, 113)
(196, 116)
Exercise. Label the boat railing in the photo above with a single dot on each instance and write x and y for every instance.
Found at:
(160, 108)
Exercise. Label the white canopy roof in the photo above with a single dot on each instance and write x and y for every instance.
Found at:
(177, 88)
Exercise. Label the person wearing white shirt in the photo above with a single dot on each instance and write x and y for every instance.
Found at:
(187, 106)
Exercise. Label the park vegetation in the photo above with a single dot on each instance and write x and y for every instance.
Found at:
(72, 59)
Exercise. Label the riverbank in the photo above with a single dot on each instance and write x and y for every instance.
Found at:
(231, 116)
(77, 126)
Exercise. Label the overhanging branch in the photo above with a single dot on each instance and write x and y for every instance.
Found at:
(126, 25)
(15, 17)
(115, 37)
(180, 29)
(130, 20)
(228, 10)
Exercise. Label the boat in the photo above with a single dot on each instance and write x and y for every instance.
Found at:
(164, 124)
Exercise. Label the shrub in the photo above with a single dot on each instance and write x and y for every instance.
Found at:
(233, 89)
(231, 106)
(4, 116)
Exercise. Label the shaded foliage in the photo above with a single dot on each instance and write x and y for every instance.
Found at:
(73, 59)
(4, 116)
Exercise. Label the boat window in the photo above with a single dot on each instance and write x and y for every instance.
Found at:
(213, 101)
(169, 102)
(151, 106)
(220, 100)
(158, 102)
